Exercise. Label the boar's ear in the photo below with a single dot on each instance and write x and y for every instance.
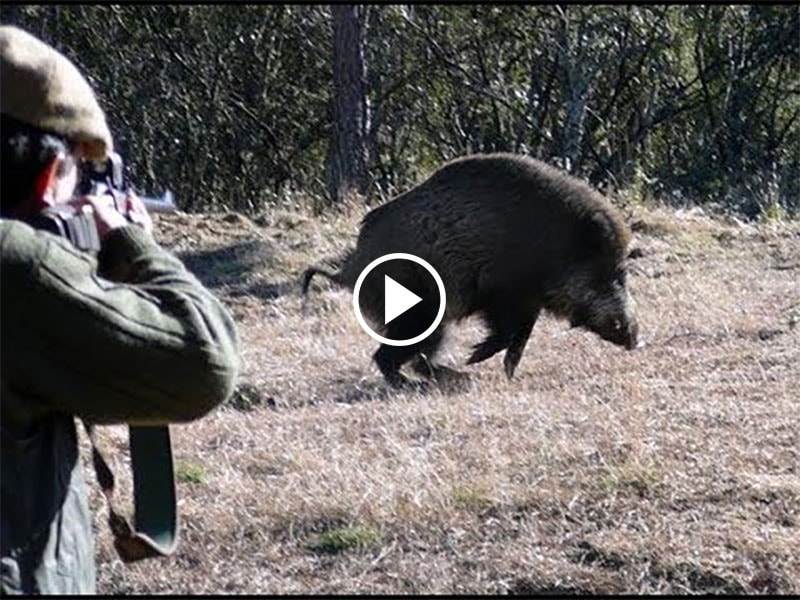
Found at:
(635, 253)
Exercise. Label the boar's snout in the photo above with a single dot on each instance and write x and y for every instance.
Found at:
(611, 315)
(625, 328)
(620, 331)
(632, 339)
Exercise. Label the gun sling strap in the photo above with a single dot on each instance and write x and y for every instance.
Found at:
(156, 518)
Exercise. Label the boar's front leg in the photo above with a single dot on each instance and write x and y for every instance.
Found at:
(493, 344)
(517, 345)
(508, 322)
(509, 330)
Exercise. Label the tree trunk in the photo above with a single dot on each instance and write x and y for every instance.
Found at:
(347, 166)
(576, 92)
(576, 84)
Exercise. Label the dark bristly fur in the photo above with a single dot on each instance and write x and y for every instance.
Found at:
(510, 236)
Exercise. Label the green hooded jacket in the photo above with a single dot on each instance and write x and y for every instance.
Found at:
(130, 337)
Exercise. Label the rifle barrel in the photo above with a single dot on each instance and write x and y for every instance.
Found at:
(165, 204)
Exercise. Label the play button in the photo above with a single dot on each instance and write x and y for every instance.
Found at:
(402, 295)
(397, 299)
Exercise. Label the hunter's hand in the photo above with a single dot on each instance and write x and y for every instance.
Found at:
(107, 217)
(137, 212)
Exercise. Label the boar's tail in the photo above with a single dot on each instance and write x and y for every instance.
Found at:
(309, 273)
(337, 276)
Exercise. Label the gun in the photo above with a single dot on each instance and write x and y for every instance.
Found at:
(97, 178)
(107, 177)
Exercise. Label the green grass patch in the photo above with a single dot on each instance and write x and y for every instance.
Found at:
(247, 397)
(342, 539)
(773, 213)
(190, 473)
(630, 477)
(474, 499)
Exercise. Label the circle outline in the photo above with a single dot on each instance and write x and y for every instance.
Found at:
(439, 284)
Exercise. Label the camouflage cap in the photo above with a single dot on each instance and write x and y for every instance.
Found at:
(41, 87)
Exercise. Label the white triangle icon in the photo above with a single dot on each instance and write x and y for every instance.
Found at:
(397, 299)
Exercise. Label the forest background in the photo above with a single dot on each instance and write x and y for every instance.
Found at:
(247, 107)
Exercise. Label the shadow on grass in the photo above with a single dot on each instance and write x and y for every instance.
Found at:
(348, 392)
(247, 397)
(266, 290)
(527, 587)
(369, 390)
(238, 268)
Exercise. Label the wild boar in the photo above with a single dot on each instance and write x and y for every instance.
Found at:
(510, 237)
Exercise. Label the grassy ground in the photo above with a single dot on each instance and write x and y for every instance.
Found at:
(673, 468)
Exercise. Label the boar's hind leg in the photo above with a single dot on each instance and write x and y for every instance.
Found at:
(391, 358)
(425, 366)
(517, 345)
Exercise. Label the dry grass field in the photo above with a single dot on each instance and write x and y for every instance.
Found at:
(669, 469)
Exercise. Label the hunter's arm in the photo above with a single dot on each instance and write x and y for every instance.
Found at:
(158, 348)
